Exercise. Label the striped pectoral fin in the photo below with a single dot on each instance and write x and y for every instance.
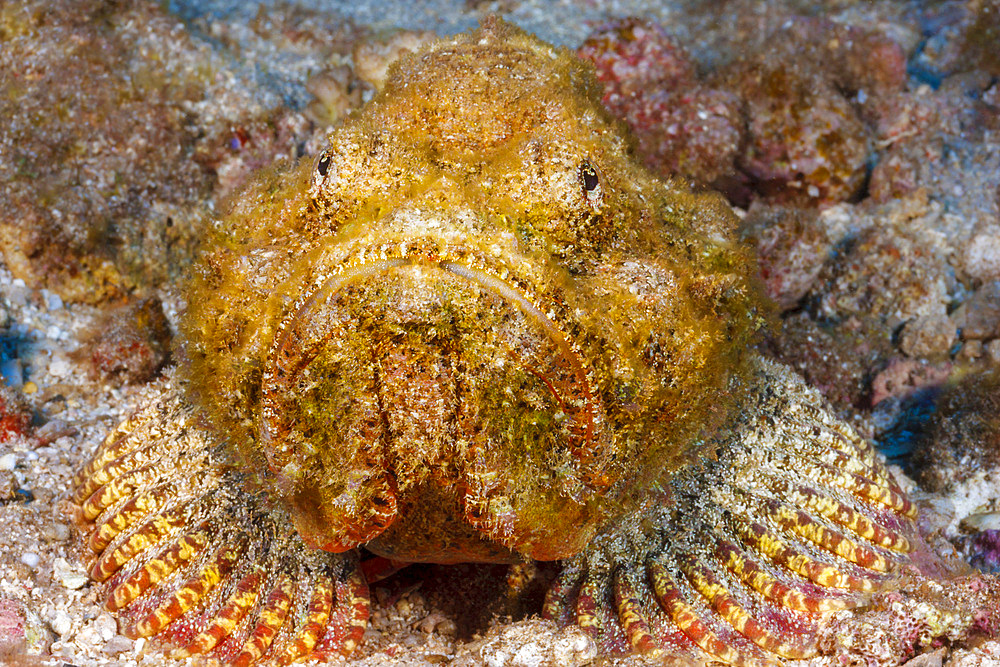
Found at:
(244, 596)
(145, 441)
(188, 556)
(277, 612)
(189, 595)
(269, 621)
(688, 618)
(119, 442)
(175, 556)
(588, 608)
(780, 589)
(560, 599)
(677, 603)
(736, 614)
(794, 520)
(594, 611)
(124, 484)
(870, 484)
(317, 618)
(633, 619)
(239, 603)
(349, 616)
(787, 555)
(812, 501)
(132, 513)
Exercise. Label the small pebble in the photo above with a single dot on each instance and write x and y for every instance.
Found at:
(61, 624)
(930, 336)
(56, 532)
(573, 647)
(18, 294)
(62, 650)
(430, 622)
(31, 559)
(935, 659)
(106, 626)
(8, 484)
(981, 522)
(8, 461)
(982, 257)
(42, 494)
(52, 301)
(88, 636)
(60, 367)
(972, 349)
(53, 430)
(979, 316)
(439, 623)
(67, 575)
(118, 644)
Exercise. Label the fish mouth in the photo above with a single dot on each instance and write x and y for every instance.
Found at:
(434, 368)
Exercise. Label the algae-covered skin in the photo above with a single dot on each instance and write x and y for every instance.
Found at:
(475, 329)
(487, 292)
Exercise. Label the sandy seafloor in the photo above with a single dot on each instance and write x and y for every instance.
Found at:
(43, 589)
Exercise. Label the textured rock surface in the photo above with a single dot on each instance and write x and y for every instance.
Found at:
(122, 125)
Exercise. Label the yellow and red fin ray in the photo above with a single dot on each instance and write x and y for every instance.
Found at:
(689, 614)
(349, 618)
(241, 601)
(161, 566)
(118, 442)
(748, 616)
(270, 620)
(632, 617)
(135, 511)
(593, 616)
(786, 592)
(560, 599)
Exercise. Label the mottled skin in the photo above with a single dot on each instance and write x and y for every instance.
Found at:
(475, 329)
(482, 286)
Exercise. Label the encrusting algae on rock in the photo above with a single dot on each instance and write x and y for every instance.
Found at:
(475, 329)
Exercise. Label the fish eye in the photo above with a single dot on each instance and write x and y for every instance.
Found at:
(323, 164)
(589, 176)
(591, 183)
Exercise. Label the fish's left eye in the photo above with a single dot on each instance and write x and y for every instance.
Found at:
(323, 164)
(591, 183)
(589, 176)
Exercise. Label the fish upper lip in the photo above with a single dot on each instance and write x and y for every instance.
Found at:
(498, 279)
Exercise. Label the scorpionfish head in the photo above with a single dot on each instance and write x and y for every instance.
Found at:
(473, 328)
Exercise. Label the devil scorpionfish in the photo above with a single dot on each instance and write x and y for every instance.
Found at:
(475, 329)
